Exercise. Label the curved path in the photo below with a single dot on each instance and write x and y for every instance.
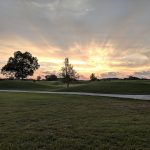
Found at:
(139, 97)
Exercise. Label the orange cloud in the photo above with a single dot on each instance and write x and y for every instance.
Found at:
(86, 59)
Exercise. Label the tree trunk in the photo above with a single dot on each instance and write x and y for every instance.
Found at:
(67, 85)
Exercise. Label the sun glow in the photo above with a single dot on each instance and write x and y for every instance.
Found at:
(86, 59)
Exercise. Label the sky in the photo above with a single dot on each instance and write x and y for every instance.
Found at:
(110, 38)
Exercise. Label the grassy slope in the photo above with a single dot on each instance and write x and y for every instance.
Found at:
(27, 85)
(30, 85)
(117, 87)
(43, 122)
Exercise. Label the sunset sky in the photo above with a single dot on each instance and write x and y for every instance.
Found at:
(108, 37)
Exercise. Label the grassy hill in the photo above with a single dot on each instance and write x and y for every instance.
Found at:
(29, 85)
(110, 87)
(57, 122)
(114, 86)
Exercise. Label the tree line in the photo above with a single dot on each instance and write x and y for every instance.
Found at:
(22, 65)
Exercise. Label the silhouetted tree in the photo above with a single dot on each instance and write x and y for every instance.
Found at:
(21, 65)
(51, 77)
(93, 77)
(38, 78)
(68, 74)
(132, 78)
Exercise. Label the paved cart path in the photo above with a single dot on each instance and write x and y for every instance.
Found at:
(139, 97)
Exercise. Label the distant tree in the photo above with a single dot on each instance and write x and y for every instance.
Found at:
(21, 65)
(93, 77)
(11, 78)
(51, 77)
(133, 78)
(68, 74)
(38, 78)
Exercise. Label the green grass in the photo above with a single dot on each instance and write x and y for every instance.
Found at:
(57, 122)
(110, 87)
(27, 85)
(30, 85)
(114, 87)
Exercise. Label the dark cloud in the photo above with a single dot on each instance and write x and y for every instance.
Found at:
(65, 22)
(142, 74)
